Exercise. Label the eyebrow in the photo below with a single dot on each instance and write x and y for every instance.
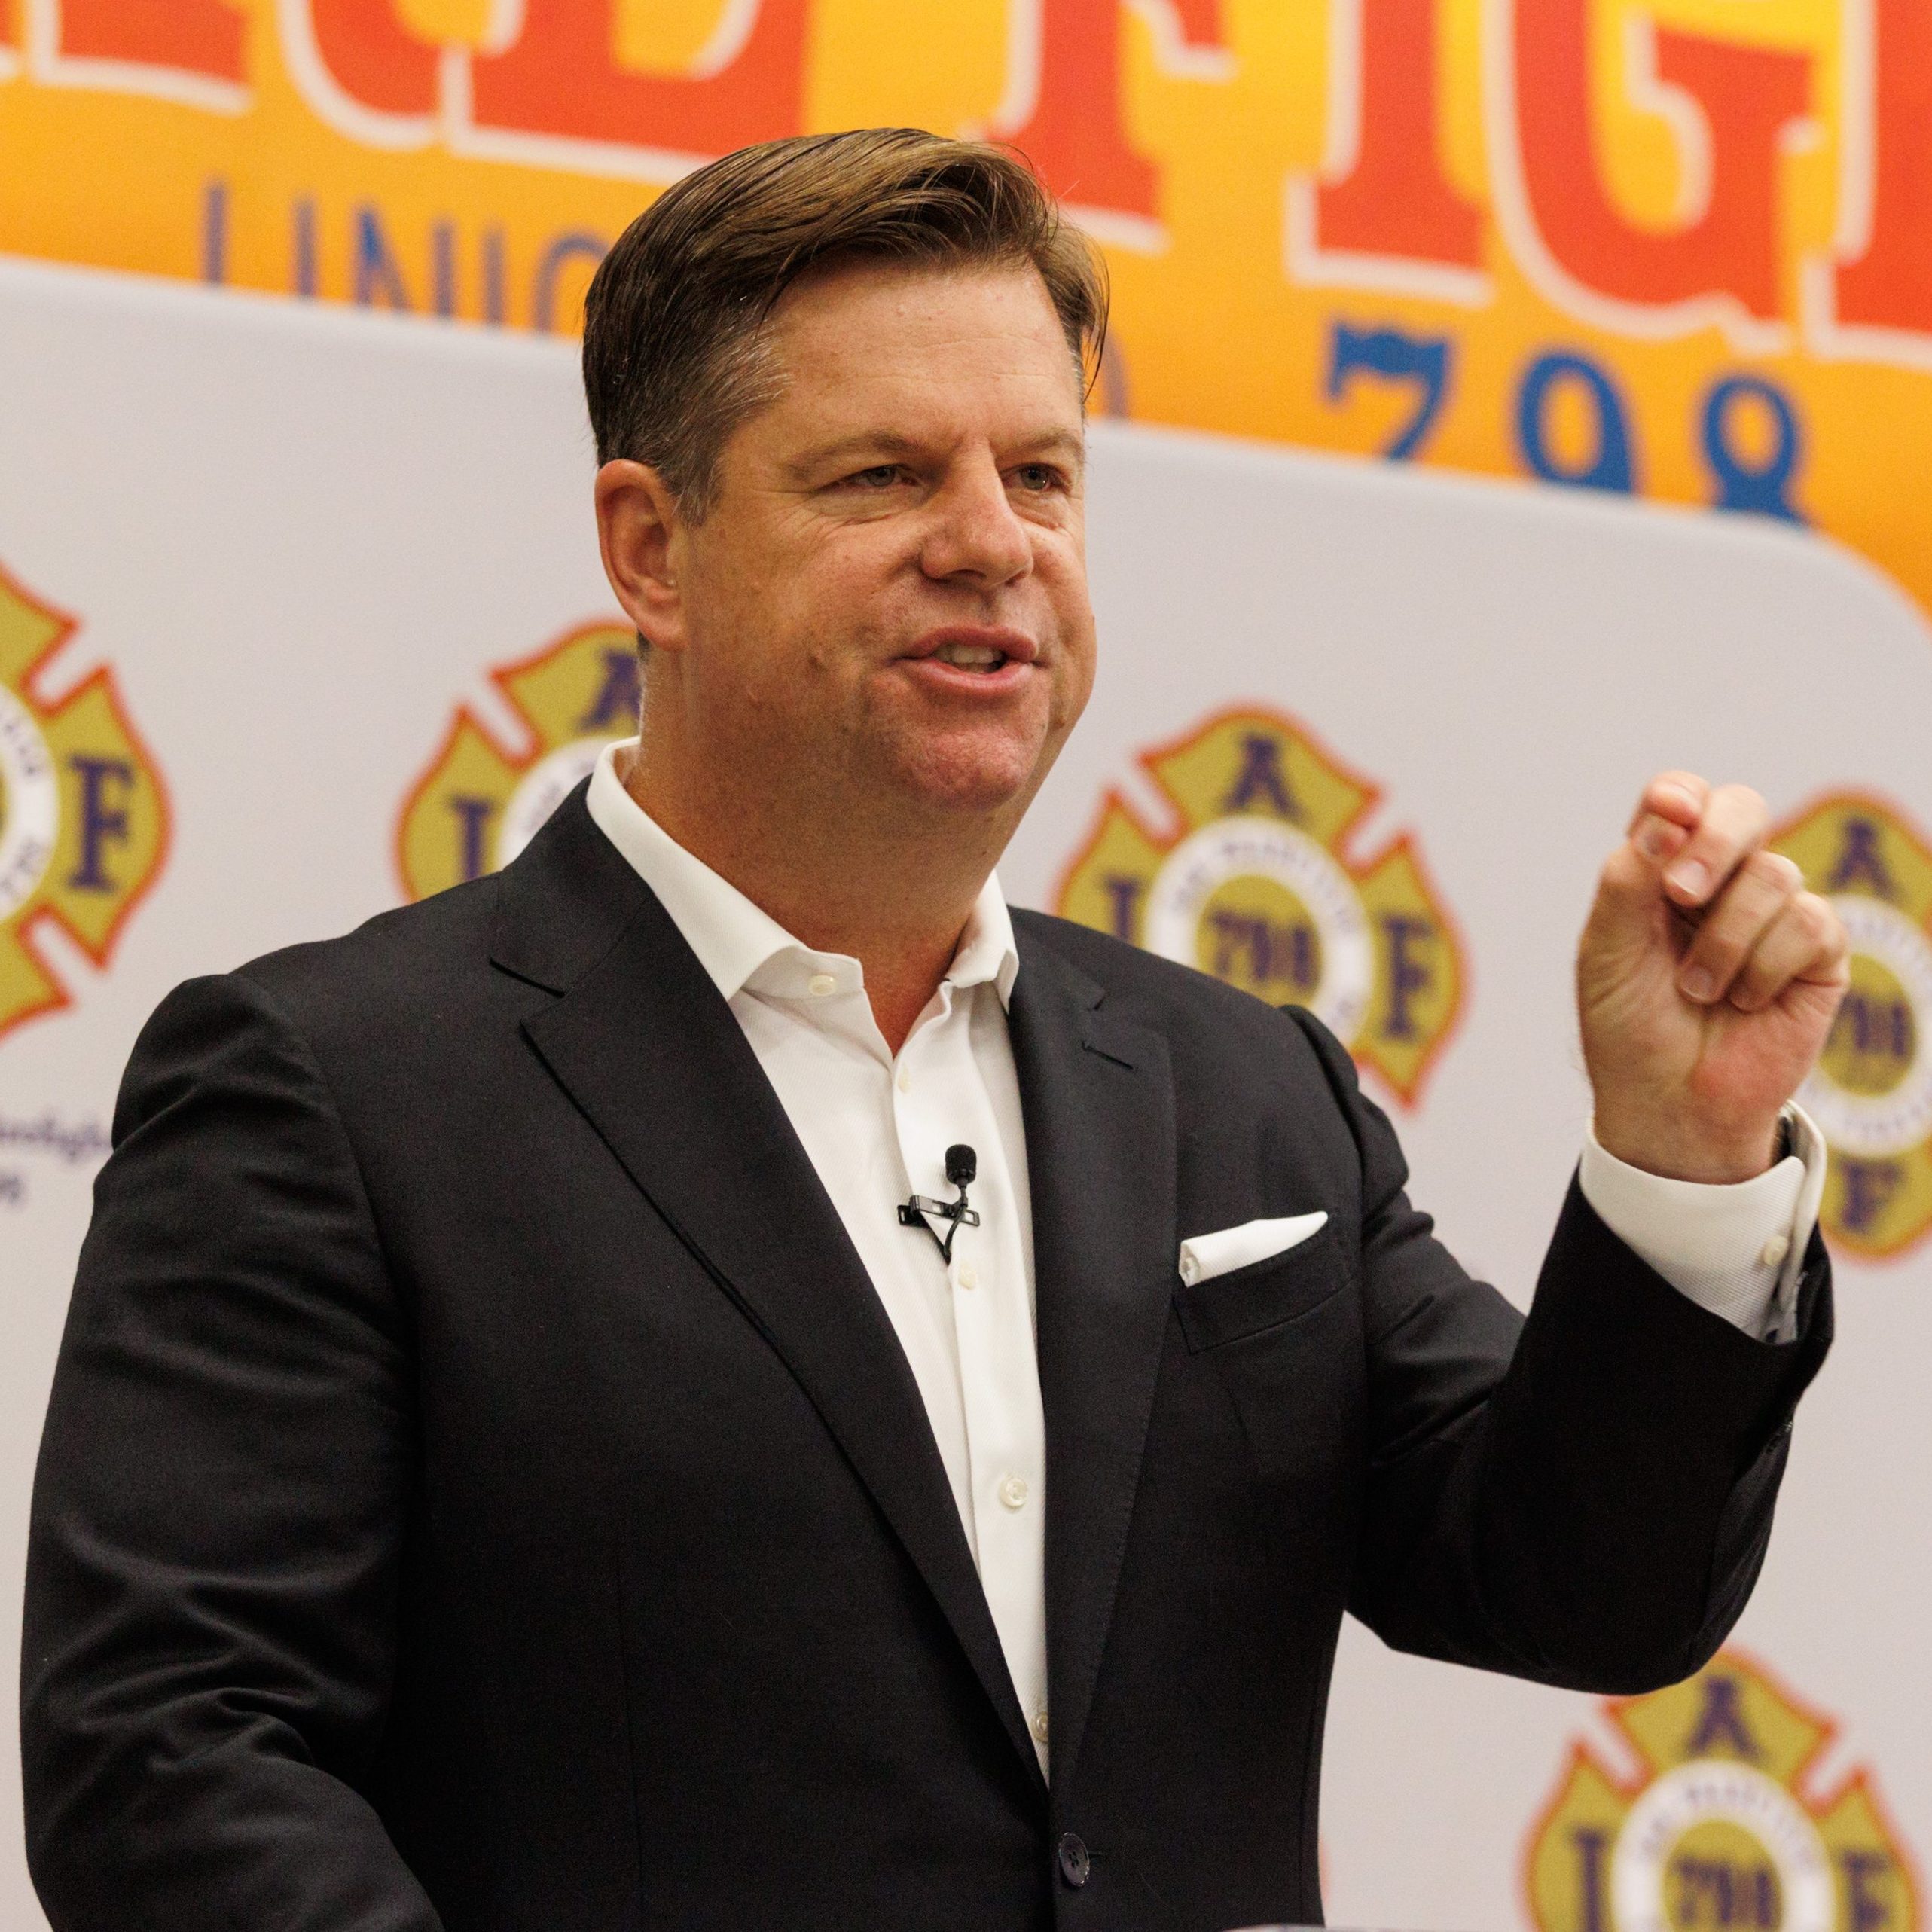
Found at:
(886, 443)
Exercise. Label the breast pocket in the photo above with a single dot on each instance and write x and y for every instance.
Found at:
(1283, 1337)
(1283, 1288)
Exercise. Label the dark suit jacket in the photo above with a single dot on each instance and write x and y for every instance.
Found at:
(483, 1490)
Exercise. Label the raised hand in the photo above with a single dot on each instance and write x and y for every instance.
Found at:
(1706, 980)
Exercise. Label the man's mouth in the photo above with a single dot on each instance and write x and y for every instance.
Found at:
(980, 650)
(971, 657)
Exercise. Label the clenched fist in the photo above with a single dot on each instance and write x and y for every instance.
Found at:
(1706, 980)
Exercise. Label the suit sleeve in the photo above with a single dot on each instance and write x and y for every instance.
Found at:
(1583, 1496)
(218, 1508)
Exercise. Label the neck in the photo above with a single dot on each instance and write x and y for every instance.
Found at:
(876, 886)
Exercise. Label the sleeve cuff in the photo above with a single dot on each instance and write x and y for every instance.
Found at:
(1736, 1251)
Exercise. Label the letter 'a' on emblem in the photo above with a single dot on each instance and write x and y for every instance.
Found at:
(1871, 1093)
(83, 818)
(1722, 1829)
(480, 802)
(1257, 882)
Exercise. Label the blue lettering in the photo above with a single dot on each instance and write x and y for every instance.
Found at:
(565, 249)
(1611, 467)
(1720, 1722)
(619, 698)
(100, 820)
(1395, 357)
(1407, 975)
(1859, 857)
(1741, 486)
(378, 276)
(1260, 777)
(472, 817)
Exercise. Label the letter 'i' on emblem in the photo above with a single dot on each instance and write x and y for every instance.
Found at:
(1256, 881)
(1872, 1093)
(83, 819)
(1720, 1830)
(480, 802)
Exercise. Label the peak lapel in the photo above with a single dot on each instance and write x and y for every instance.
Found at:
(645, 1047)
(1098, 1099)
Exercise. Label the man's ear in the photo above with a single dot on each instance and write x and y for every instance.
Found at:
(638, 526)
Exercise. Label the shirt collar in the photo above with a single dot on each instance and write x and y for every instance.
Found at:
(738, 944)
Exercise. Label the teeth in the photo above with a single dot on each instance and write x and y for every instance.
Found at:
(970, 657)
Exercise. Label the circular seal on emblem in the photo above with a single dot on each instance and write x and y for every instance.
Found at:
(543, 787)
(1872, 1092)
(29, 804)
(1202, 870)
(1706, 1813)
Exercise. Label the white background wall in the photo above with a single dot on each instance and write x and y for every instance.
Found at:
(300, 538)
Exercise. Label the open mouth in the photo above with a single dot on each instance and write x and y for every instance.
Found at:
(981, 657)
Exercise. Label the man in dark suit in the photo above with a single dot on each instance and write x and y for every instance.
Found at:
(512, 1466)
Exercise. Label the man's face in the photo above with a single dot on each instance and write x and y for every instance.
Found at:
(889, 596)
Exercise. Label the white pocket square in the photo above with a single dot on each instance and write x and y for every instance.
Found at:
(1206, 1256)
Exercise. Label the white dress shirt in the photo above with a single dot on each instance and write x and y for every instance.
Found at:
(876, 1129)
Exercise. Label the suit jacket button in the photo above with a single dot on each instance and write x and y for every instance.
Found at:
(1075, 1864)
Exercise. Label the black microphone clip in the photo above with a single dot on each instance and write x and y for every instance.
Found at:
(962, 1166)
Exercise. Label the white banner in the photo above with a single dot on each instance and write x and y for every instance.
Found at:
(263, 564)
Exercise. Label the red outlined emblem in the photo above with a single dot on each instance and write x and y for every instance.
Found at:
(479, 803)
(83, 818)
(1257, 881)
(1723, 1828)
(1871, 1093)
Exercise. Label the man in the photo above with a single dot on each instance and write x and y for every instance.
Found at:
(512, 1465)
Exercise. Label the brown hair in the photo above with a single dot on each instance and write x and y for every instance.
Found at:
(674, 354)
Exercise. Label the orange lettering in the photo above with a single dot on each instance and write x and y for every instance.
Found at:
(1747, 95)
(370, 58)
(10, 25)
(1396, 200)
(1076, 134)
(193, 36)
(561, 78)
(1890, 285)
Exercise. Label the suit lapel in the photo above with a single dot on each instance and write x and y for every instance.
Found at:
(1098, 1098)
(645, 1047)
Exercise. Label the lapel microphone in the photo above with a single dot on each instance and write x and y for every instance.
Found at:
(962, 1165)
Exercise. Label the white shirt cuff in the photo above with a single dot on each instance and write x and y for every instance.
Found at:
(1738, 1251)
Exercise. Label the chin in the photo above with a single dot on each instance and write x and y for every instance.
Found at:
(971, 778)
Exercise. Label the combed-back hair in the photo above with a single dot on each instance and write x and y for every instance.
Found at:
(675, 356)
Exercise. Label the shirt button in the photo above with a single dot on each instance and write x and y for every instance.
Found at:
(1774, 1250)
(819, 985)
(1040, 1727)
(969, 1277)
(905, 1079)
(1013, 1492)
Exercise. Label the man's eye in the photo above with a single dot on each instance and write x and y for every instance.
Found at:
(1037, 477)
(881, 476)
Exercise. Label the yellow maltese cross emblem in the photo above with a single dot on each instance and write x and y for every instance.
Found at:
(480, 802)
(1871, 1093)
(1719, 1831)
(84, 821)
(1255, 881)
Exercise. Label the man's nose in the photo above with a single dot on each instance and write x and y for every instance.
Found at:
(974, 531)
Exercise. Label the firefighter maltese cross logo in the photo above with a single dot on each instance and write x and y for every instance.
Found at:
(1720, 1830)
(480, 803)
(84, 821)
(1871, 1093)
(1257, 882)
